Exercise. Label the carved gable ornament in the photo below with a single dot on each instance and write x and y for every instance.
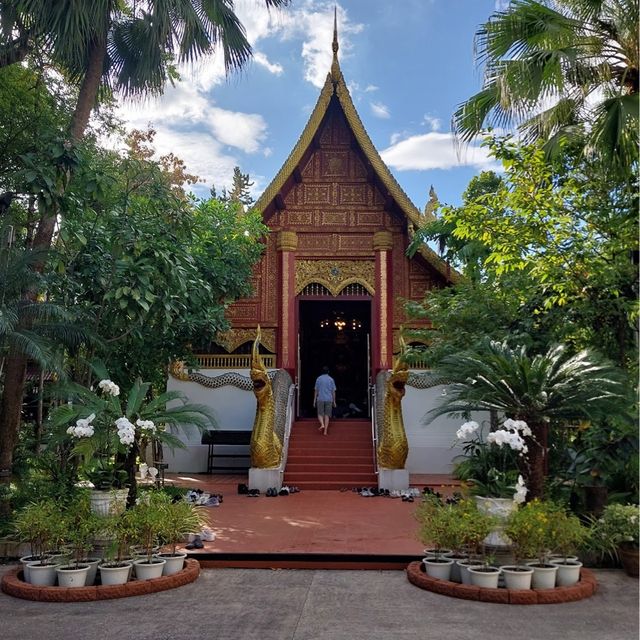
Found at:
(335, 275)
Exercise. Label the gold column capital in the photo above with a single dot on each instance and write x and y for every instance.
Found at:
(287, 241)
(382, 241)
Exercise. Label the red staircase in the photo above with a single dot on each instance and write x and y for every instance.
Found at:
(343, 458)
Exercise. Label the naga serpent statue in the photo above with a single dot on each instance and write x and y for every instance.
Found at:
(394, 447)
(265, 448)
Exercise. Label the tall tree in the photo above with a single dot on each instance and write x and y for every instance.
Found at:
(126, 46)
(240, 188)
(561, 70)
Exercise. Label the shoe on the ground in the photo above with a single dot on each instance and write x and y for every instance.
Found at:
(284, 491)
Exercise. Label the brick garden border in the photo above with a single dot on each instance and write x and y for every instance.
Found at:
(14, 585)
(584, 588)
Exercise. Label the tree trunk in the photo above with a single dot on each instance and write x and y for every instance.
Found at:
(10, 410)
(89, 88)
(533, 465)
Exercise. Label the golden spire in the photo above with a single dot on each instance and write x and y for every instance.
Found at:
(335, 68)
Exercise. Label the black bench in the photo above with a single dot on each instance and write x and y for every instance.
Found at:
(217, 438)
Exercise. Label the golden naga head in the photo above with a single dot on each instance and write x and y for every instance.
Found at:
(259, 375)
(399, 375)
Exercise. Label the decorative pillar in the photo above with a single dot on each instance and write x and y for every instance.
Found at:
(287, 244)
(383, 322)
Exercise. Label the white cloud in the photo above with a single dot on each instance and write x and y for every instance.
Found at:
(432, 122)
(380, 110)
(434, 151)
(370, 87)
(275, 68)
(502, 5)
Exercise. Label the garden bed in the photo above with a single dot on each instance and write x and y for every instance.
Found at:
(585, 588)
(14, 585)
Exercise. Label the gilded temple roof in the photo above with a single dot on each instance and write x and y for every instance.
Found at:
(335, 85)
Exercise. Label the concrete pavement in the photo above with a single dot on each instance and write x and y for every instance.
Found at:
(255, 604)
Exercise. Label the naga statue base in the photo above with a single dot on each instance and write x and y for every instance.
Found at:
(393, 479)
(263, 479)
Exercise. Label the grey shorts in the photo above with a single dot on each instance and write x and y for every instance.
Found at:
(324, 408)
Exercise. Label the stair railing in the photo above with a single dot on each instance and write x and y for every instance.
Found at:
(288, 423)
(374, 426)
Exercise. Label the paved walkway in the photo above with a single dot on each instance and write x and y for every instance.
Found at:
(246, 604)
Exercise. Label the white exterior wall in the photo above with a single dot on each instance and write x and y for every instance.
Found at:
(432, 447)
(233, 408)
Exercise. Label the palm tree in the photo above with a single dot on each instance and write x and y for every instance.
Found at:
(554, 388)
(561, 70)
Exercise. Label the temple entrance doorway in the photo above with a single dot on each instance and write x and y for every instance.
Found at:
(335, 333)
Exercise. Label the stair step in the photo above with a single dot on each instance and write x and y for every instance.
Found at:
(359, 478)
(328, 485)
(329, 467)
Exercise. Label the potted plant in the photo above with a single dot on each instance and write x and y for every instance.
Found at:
(39, 525)
(568, 535)
(616, 534)
(109, 480)
(79, 525)
(474, 526)
(489, 465)
(534, 525)
(116, 566)
(180, 519)
(148, 521)
(439, 526)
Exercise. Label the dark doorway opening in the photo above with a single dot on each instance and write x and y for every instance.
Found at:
(336, 334)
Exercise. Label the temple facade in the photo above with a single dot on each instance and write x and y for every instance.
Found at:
(332, 283)
(331, 286)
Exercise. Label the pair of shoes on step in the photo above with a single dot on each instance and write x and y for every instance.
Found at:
(195, 544)
(406, 496)
(253, 493)
(271, 492)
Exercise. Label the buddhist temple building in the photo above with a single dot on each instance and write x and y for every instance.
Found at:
(331, 285)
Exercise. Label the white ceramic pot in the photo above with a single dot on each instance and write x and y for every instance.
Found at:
(115, 575)
(455, 568)
(26, 561)
(72, 576)
(106, 503)
(463, 565)
(42, 575)
(517, 577)
(486, 577)
(146, 571)
(93, 569)
(500, 508)
(438, 568)
(434, 552)
(544, 576)
(558, 557)
(568, 572)
(173, 562)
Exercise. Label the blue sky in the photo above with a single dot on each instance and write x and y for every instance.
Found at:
(408, 63)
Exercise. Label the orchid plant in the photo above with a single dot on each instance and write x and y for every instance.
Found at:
(105, 429)
(491, 464)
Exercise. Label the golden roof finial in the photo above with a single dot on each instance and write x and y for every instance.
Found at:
(335, 68)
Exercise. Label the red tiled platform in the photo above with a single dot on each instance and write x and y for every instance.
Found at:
(310, 529)
(585, 588)
(14, 585)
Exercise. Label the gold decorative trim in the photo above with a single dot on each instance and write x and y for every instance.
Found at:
(335, 85)
(382, 241)
(285, 311)
(335, 275)
(287, 241)
(384, 338)
(230, 340)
